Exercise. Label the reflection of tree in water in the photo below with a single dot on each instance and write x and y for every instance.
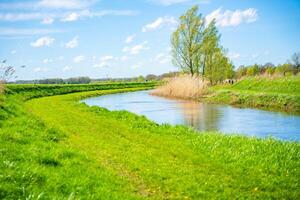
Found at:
(200, 116)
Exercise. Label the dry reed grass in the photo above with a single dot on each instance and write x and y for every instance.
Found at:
(185, 86)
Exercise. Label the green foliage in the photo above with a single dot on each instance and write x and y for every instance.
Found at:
(253, 70)
(57, 148)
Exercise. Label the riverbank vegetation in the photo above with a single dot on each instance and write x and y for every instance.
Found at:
(277, 93)
(184, 86)
(55, 147)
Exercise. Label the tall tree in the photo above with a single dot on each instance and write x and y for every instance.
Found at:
(296, 61)
(186, 41)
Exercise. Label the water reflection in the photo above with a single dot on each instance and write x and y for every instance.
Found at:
(202, 116)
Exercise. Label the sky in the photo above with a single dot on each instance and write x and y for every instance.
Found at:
(127, 38)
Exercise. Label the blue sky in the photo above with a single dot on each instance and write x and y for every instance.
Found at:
(125, 38)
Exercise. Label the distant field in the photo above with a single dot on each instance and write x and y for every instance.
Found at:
(54, 147)
(281, 94)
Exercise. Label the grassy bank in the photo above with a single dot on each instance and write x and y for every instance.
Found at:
(282, 94)
(56, 148)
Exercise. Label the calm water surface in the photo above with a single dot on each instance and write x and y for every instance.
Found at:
(203, 116)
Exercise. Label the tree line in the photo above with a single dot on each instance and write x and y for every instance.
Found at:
(291, 67)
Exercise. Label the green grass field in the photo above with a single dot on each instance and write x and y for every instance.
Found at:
(281, 94)
(54, 147)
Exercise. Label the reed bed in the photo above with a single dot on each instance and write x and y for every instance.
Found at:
(183, 87)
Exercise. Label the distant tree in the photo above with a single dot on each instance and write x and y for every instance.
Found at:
(270, 71)
(253, 70)
(140, 79)
(241, 71)
(296, 61)
(151, 77)
(284, 69)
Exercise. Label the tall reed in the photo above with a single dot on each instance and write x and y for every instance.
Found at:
(185, 86)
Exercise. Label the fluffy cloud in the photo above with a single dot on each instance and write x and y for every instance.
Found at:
(137, 48)
(74, 16)
(64, 4)
(40, 69)
(72, 43)
(71, 17)
(169, 2)
(129, 39)
(162, 58)
(234, 55)
(22, 32)
(232, 18)
(160, 22)
(63, 16)
(43, 41)
(47, 20)
(67, 68)
(47, 60)
(106, 61)
(78, 59)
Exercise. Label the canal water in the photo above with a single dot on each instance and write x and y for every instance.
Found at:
(203, 116)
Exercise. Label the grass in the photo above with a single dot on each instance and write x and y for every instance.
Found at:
(282, 94)
(57, 148)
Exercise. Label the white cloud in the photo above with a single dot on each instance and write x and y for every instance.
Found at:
(47, 60)
(232, 18)
(136, 66)
(74, 16)
(48, 20)
(71, 17)
(17, 16)
(162, 58)
(160, 22)
(101, 64)
(66, 16)
(78, 59)
(67, 68)
(60, 58)
(129, 39)
(124, 58)
(43, 41)
(40, 69)
(65, 4)
(72, 43)
(106, 61)
(136, 49)
(24, 32)
(234, 55)
(13, 52)
(169, 2)
(107, 58)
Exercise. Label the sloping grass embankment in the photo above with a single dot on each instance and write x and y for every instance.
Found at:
(57, 148)
(281, 94)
